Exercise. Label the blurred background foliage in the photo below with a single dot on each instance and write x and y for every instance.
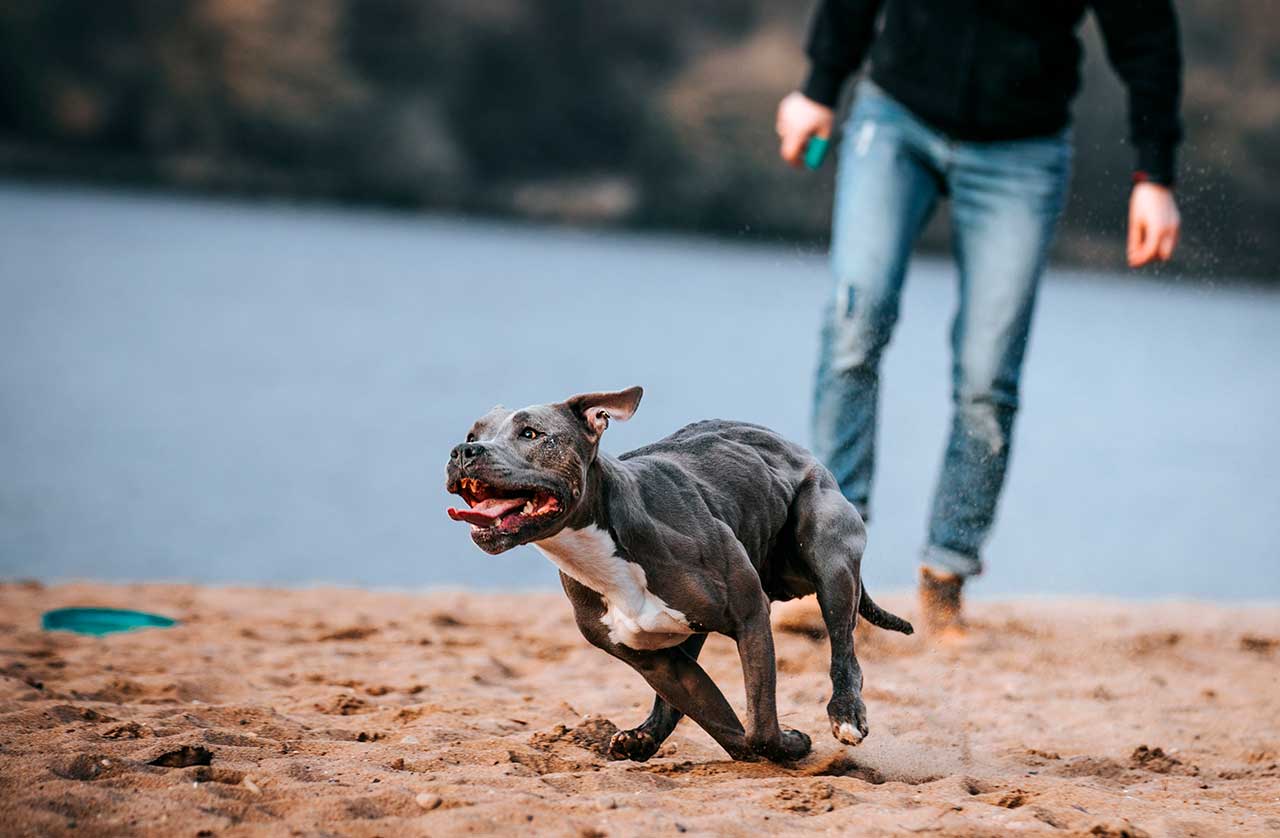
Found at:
(578, 111)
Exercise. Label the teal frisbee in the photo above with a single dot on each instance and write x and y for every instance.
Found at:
(100, 621)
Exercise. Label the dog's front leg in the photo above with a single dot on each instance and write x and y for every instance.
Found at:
(673, 674)
(643, 741)
(682, 683)
(759, 674)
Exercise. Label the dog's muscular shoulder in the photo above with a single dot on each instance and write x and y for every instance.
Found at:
(693, 497)
(741, 475)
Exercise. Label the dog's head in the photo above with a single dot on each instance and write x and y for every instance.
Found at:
(523, 472)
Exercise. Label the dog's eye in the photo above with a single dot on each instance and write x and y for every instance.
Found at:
(530, 433)
(471, 437)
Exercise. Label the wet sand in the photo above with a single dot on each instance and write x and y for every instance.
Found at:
(346, 712)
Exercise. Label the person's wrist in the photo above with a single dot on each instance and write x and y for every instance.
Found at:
(822, 85)
(1156, 163)
(1140, 177)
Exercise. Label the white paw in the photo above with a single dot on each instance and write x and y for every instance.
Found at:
(847, 733)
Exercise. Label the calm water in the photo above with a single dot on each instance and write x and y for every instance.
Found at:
(236, 393)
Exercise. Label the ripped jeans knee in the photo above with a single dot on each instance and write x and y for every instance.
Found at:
(859, 331)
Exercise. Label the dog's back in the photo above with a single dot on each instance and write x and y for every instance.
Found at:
(704, 447)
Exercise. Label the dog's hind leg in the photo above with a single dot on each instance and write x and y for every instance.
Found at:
(643, 741)
(830, 538)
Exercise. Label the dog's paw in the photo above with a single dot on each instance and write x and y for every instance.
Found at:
(848, 720)
(847, 733)
(791, 746)
(796, 744)
(637, 745)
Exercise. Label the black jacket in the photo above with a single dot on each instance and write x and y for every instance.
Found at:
(1004, 69)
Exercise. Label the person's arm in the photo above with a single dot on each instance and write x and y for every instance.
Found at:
(839, 38)
(1142, 43)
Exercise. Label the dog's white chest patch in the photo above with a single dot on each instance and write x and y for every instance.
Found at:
(635, 616)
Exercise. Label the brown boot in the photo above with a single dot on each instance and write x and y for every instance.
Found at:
(940, 600)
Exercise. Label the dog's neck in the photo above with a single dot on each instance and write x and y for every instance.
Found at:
(608, 480)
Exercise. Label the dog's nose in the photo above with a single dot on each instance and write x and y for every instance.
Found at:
(466, 452)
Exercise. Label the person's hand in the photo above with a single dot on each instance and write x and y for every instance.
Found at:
(800, 118)
(1153, 224)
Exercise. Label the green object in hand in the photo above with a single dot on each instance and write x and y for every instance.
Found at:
(100, 621)
(815, 152)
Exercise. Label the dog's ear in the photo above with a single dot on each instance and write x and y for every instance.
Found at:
(596, 409)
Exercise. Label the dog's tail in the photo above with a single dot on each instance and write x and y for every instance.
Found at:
(877, 616)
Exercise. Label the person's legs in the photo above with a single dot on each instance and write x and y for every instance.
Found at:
(1006, 200)
(886, 187)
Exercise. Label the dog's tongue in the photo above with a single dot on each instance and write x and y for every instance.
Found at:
(486, 512)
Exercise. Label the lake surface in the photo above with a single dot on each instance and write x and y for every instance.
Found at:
(221, 392)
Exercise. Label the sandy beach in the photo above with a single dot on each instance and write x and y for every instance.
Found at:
(345, 712)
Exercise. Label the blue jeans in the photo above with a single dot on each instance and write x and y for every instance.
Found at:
(1005, 201)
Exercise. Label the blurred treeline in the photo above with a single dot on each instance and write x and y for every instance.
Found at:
(590, 111)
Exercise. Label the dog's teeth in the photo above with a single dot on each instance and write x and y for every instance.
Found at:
(528, 508)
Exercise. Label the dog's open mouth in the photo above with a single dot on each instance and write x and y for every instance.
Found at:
(502, 509)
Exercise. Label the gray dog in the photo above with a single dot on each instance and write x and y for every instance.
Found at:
(693, 534)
